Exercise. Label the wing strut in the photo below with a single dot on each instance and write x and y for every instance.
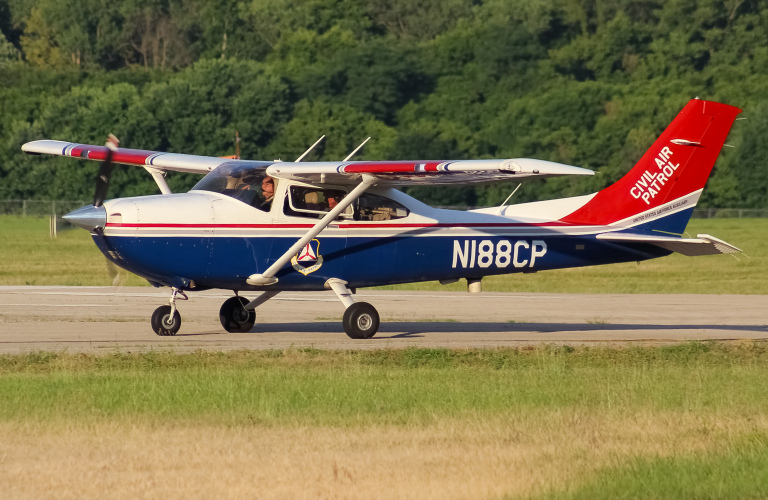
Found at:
(268, 276)
(159, 179)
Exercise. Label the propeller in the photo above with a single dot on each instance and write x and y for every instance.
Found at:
(105, 172)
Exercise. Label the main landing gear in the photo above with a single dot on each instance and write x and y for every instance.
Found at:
(238, 315)
(361, 320)
(234, 317)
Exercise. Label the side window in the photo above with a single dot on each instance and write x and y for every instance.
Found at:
(307, 201)
(372, 207)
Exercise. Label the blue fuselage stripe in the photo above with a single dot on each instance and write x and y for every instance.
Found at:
(226, 262)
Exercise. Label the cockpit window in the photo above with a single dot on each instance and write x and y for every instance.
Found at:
(243, 182)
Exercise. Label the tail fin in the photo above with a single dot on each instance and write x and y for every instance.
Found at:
(669, 177)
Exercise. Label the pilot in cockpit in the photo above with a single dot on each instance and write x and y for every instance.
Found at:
(268, 191)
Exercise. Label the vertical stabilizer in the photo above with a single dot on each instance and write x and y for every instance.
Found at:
(670, 175)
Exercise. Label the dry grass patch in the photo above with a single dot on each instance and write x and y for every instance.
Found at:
(517, 455)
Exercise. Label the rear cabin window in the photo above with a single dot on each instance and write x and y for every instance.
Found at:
(372, 207)
(306, 201)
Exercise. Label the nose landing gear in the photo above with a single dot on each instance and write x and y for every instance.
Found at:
(166, 320)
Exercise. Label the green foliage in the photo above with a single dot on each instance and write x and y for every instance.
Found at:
(7, 51)
(583, 83)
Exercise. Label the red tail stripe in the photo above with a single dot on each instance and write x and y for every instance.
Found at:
(676, 165)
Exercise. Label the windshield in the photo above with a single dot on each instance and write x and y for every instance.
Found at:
(242, 181)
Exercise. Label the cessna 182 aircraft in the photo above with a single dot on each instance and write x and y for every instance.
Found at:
(271, 226)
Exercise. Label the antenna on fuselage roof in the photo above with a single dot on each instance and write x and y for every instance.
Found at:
(350, 155)
(310, 149)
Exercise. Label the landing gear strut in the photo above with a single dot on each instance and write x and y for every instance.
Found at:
(361, 320)
(238, 315)
(166, 320)
(234, 317)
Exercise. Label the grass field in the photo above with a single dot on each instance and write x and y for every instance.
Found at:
(689, 421)
(73, 259)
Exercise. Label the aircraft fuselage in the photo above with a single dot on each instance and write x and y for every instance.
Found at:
(202, 240)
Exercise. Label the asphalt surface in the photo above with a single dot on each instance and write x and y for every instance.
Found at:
(106, 319)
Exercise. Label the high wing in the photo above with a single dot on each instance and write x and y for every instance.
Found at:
(152, 160)
(423, 172)
(385, 172)
(703, 244)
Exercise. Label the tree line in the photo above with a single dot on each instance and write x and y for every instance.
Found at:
(583, 82)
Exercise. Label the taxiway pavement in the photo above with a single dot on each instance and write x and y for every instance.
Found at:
(106, 319)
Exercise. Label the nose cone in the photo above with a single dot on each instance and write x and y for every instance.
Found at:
(89, 217)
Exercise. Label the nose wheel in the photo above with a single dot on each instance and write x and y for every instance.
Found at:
(166, 322)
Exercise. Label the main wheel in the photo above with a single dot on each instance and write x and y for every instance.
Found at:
(361, 320)
(163, 323)
(234, 317)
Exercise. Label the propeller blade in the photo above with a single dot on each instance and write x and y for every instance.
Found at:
(105, 172)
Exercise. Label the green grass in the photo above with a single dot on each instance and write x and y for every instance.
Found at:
(73, 259)
(387, 386)
(31, 257)
(684, 421)
(740, 471)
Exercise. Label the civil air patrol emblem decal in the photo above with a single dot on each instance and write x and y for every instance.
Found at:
(308, 260)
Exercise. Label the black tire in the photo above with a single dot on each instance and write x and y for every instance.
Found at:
(361, 320)
(234, 317)
(162, 322)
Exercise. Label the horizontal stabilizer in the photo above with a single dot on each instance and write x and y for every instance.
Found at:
(703, 244)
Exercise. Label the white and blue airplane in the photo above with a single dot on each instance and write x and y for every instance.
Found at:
(271, 226)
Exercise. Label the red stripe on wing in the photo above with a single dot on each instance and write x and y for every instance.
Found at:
(391, 167)
(129, 156)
